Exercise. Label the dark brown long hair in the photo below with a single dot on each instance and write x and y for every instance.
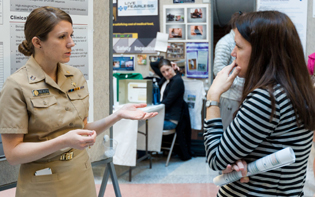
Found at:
(277, 58)
(39, 23)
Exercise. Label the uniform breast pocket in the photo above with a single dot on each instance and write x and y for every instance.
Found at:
(80, 100)
(45, 113)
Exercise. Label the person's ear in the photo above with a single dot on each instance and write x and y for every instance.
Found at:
(36, 42)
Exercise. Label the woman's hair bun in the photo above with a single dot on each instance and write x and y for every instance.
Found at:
(25, 48)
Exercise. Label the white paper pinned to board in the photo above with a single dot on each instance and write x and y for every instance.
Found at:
(161, 42)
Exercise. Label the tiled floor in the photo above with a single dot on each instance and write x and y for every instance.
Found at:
(192, 178)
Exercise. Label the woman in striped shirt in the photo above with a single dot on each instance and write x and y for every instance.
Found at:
(277, 107)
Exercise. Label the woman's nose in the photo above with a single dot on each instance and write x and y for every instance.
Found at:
(233, 53)
(71, 43)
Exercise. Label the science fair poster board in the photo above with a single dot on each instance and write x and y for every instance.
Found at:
(13, 14)
(184, 23)
(296, 10)
(124, 63)
(135, 25)
(197, 59)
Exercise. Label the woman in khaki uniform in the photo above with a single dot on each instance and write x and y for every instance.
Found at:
(44, 108)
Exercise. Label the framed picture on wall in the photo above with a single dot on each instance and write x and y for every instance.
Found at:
(175, 15)
(176, 32)
(196, 15)
(142, 59)
(124, 63)
(197, 32)
(175, 51)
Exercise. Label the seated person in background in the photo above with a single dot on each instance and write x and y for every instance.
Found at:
(172, 91)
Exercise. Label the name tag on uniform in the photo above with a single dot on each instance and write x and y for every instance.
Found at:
(40, 92)
(45, 171)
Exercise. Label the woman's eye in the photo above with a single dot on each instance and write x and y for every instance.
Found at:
(71, 35)
(61, 37)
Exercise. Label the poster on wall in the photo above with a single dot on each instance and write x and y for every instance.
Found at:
(296, 10)
(135, 26)
(13, 15)
(197, 61)
(124, 63)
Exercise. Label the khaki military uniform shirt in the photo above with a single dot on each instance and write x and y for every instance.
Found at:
(33, 104)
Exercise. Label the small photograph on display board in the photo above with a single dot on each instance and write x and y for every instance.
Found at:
(123, 63)
(155, 58)
(196, 15)
(142, 59)
(197, 32)
(176, 32)
(175, 15)
(192, 63)
(175, 51)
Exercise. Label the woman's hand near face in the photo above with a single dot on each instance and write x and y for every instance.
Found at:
(222, 82)
(79, 138)
(175, 67)
(131, 111)
(240, 165)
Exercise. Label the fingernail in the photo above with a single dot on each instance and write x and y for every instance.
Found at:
(246, 178)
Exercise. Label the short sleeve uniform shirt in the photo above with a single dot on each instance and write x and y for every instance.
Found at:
(33, 104)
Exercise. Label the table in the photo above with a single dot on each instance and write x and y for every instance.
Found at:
(125, 132)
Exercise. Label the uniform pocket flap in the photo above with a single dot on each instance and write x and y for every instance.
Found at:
(43, 101)
(78, 94)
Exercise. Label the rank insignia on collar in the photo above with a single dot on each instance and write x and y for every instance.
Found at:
(40, 92)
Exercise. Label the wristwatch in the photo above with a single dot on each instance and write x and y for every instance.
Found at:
(211, 103)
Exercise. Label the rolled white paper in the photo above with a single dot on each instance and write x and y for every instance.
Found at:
(278, 159)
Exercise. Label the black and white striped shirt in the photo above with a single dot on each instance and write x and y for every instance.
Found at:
(251, 136)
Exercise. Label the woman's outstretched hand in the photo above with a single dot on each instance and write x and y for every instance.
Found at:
(223, 81)
(131, 111)
(240, 165)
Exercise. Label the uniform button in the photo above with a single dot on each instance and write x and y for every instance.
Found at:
(71, 124)
(79, 95)
(67, 108)
(44, 102)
